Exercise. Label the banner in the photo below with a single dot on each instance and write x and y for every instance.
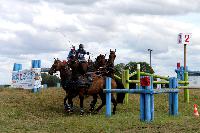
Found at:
(27, 79)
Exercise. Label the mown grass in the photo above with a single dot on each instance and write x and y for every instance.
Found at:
(23, 111)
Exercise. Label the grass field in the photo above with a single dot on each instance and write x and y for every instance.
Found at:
(23, 111)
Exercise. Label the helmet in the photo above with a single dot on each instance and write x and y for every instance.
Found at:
(81, 46)
(73, 48)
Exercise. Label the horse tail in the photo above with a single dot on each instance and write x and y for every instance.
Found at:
(120, 96)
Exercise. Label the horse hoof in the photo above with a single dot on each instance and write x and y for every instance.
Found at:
(91, 110)
(81, 114)
(68, 110)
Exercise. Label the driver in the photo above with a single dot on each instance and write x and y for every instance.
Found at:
(72, 53)
(81, 53)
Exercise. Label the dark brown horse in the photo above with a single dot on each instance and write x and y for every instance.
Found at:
(65, 75)
(111, 71)
(107, 69)
(111, 58)
(110, 64)
(71, 87)
(100, 62)
(96, 88)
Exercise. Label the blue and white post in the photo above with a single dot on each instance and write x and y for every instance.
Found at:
(108, 97)
(36, 68)
(15, 75)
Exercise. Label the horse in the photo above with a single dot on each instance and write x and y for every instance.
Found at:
(111, 59)
(111, 72)
(110, 64)
(100, 62)
(96, 88)
(97, 84)
(107, 69)
(91, 67)
(65, 75)
(68, 84)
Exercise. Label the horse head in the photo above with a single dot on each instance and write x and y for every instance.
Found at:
(101, 60)
(112, 56)
(57, 66)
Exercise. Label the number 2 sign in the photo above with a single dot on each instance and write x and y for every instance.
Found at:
(184, 38)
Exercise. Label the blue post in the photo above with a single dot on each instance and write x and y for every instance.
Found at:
(36, 63)
(108, 97)
(17, 67)
(33, 64)
(152, 99)
(58, 85)
(182, 70)
(142, 108)
(34, 89)
(170, 97)
(175, 97)
(147, 106)
(45, 86)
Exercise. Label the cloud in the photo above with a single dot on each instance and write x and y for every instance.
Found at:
(153, 7)
(67, 2)
(44, 29)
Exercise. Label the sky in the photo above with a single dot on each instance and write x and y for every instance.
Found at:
(46, 29)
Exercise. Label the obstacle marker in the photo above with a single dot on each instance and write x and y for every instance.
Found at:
(146, 97)
(196, 113)
(181, 76)
(27, 79)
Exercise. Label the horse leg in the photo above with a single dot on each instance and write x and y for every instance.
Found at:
(81, 97)
(70, 104)
(114, 103)
(93, 103)
(71, 108)
(103, 101)
(66, 105)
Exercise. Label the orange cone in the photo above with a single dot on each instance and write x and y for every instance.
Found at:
(196, 113)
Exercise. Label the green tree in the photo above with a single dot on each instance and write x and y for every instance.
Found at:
(144, 67)
(119, 68)
(50, 80)
(132, 66)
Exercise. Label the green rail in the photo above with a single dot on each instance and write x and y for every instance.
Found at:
(117, 77)
(145, 74)
(183, 82)
(183, 87)
(160, 82)
(161, 77)
(133, 81)
(132, 74)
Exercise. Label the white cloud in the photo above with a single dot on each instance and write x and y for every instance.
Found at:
(44, 29)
